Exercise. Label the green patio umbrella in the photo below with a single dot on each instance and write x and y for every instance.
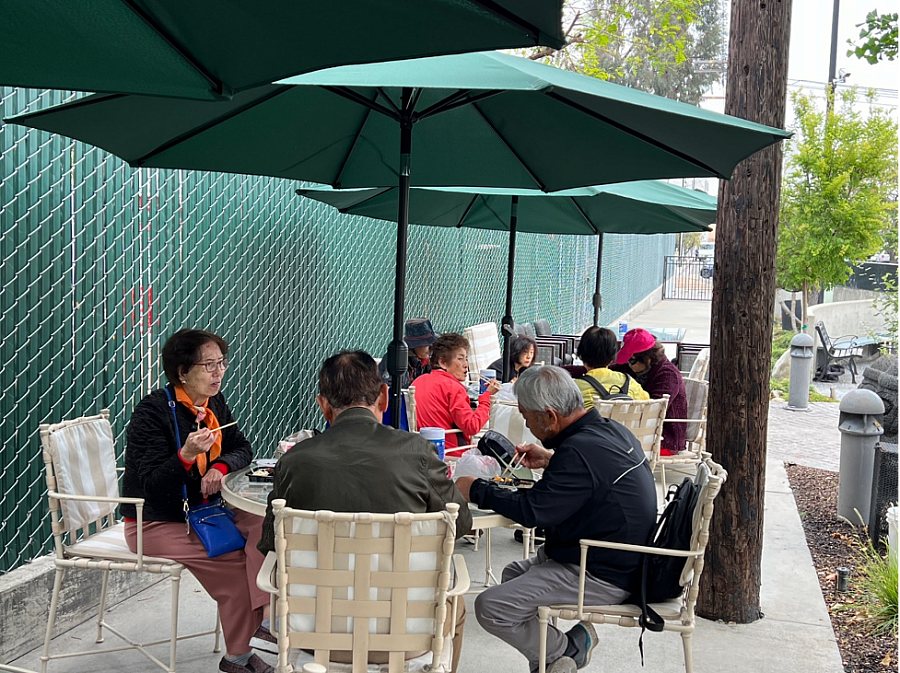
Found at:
(484, 119)
(209, 49)
(644, 207)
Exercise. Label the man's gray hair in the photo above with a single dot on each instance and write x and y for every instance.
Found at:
(548, 387)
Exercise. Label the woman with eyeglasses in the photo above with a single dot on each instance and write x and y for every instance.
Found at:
(174, 443)
(644, 357)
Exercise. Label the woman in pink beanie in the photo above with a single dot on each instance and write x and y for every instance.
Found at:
(643, 356)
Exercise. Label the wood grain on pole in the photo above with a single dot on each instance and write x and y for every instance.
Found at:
(742, 305)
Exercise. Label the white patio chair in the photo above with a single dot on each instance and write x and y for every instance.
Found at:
(643, 417)
(678, 613)
(697, 401)
(80, 462)
(484, 347)
(700, 366)
(361, 583)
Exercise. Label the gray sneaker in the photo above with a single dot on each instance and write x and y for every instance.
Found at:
(582, 641)
(562, 665)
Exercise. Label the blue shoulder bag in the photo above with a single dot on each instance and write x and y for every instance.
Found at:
(213, 522)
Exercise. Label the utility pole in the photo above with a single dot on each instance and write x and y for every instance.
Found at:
(741, 337)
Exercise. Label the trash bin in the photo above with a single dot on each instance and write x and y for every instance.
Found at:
(860, 423)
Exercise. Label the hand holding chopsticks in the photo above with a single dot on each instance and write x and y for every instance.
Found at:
(514, 463)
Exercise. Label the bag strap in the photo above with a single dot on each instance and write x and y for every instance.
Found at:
(596, 385)
(172, 407)
(624, 387)
(184, 498)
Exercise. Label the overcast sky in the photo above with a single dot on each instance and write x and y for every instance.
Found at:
(811, 43)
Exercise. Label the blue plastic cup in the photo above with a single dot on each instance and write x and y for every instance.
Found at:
(436, 436)
(485, 374)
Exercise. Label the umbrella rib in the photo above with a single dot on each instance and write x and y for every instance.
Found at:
(584, 214)
(387, 98)
(216, 85)
(636, 134)
(540, 184)
(530, 29)
(454, 101)
(376, 192)
(466, 211)
(358, 98)
(340, 173)
(140, 161)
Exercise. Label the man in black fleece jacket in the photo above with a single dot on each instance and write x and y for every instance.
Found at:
(597, 484)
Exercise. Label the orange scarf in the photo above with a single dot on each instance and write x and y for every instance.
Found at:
(204, 459)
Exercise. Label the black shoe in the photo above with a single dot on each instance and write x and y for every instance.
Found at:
(517, 534)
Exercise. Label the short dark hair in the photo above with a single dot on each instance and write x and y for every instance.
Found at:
(446, 345)
(655, 353)
(350, 379)
(182, 351)
(519, 346)
(598, 347)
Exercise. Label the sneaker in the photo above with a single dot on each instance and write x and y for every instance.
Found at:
(582, 641)
(255, 665)
(562, 665)
(264, 641)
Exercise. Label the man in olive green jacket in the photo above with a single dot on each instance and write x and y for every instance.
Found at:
(360, 465)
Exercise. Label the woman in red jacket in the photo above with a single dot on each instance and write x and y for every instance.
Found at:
(441, 397)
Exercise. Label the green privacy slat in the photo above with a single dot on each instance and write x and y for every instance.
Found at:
(287, 280)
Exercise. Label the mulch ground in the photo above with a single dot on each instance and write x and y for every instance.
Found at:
(832, 543)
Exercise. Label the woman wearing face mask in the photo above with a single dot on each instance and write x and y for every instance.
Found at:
(642, 356)
(166, 454)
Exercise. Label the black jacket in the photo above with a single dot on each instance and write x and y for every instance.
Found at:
(414, 370)
(597, 485)
(153, 469)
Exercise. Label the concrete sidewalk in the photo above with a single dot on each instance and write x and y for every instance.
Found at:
(794, 635)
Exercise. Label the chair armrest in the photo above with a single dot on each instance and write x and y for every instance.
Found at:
(95, 498)
(461, 586)
(637, 548)
(266, 572)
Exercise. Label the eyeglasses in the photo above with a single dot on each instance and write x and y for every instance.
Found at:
(633, 360)
(212, 365)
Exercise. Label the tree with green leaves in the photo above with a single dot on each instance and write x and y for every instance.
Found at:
(878, 38)
(671, 48)
(838, 191)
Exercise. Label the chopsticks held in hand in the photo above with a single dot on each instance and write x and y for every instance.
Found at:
(222, 427)
(513, 464)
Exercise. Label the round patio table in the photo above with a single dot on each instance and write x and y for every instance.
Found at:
(252, 496)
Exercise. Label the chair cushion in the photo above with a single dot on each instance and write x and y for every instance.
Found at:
(84, 463)
(484, 345)
(109, 544)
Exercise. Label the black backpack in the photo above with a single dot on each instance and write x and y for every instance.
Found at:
(660, 575)
(605, 394)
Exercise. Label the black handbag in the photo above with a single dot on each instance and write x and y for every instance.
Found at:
(213, 522)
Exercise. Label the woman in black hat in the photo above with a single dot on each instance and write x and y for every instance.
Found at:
(419, 335)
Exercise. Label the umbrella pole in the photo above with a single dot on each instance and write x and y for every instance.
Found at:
(398, 354)
(507, 322)
(598, 300)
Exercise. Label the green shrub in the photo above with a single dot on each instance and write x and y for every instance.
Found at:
(781, 341)
(784, 387)
(878, 579)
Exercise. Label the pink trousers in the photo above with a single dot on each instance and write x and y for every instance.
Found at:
(230, 578)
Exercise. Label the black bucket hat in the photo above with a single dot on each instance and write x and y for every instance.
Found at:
(419, 332)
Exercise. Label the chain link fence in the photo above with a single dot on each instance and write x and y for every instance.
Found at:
(99, 263)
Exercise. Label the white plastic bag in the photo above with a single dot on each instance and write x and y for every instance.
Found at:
(473, 464)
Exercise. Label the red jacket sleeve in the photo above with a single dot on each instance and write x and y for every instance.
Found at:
(464, 417)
